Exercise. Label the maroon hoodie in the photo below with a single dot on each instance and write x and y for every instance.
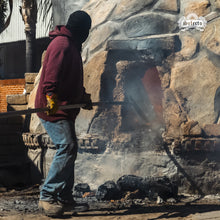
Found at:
(62, 74)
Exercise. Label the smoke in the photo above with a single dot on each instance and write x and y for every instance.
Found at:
(95, 169)
(138, 137)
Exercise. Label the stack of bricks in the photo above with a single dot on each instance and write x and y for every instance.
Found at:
(10, 87)
(19, 101)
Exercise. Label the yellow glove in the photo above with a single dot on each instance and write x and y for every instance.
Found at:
(52, 103)
(87, 100)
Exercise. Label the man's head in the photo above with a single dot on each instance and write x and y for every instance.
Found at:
(79, 23)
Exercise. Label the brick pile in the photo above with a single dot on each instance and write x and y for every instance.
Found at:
(16, 101)
(10, 87)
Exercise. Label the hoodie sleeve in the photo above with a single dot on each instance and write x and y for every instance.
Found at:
(53, 66)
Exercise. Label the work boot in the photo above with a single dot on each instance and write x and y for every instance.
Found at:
(72, 206)
(50, 208)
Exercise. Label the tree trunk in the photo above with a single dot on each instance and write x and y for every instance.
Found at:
(3, 9)
(30, 52)
(29, 14)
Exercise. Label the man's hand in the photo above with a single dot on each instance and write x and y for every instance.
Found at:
(52, 103)
(87, 100)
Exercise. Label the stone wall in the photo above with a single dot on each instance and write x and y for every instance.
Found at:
(148, 33)
(169, 83)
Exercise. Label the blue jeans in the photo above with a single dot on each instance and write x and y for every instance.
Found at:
(60, 179)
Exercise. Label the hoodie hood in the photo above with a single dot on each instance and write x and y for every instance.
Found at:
(60, 30)
(79, 24)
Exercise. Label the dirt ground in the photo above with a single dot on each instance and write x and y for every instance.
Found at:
(21, 204)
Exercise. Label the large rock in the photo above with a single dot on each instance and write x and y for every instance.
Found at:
(100, 11)
(100, 35)
(196, 82)
(149, 24)
(212, 130)
(192, 128)
(211, 37)
(165, 81)
(35, 124)
(217, 4)
(173, 115)
(126, 8)
(212, 15)
(189, 46)
(200, 8)
(167, 5)
(17, 99)
(92, 73)
(157, 49)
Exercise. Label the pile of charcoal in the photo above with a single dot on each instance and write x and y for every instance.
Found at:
(134, 186)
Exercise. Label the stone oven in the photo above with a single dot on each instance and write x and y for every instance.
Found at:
(168, 81)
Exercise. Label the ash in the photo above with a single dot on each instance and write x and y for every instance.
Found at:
(127, 193)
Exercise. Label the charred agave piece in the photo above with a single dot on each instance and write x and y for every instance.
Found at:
(108, 191)
(80, 189)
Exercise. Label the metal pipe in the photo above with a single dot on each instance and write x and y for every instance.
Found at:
(64, 107)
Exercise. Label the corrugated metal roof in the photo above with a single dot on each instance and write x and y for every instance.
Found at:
(15, 31)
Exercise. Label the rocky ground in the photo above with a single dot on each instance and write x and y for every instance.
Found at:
(21, 204)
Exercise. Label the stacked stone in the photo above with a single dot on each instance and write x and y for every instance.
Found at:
(124, 33)
(147, 32)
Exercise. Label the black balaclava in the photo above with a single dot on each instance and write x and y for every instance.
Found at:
(79, 23)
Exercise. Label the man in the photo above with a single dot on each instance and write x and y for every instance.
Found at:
(61, 83)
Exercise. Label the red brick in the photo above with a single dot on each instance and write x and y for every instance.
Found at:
(10, 87)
